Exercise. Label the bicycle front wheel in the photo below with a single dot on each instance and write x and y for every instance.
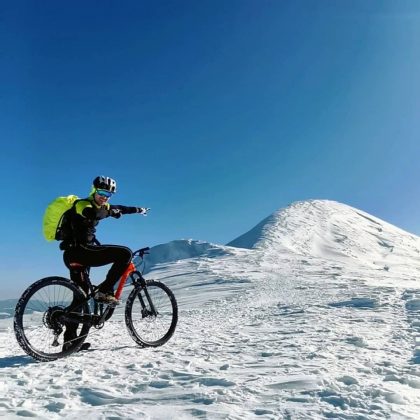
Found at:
(151, 314)
(39, 326)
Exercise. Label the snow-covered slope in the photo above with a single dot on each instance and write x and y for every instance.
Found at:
(335, 231)
(304, 322)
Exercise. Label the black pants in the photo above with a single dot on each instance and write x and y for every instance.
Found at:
(94, 256)
(99, 255)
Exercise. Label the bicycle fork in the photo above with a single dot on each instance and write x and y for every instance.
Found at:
(140, 283)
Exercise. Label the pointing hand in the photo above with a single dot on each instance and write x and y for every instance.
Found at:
(143, 210)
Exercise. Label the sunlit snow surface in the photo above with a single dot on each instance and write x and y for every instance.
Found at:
(318, 316)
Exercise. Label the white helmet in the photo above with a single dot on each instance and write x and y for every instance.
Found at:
(105, 183)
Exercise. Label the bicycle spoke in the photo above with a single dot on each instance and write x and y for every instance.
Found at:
(39, 325)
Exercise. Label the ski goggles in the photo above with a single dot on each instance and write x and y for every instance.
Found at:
(104, 193)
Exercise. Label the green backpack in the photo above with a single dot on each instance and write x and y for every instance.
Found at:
(54, 216)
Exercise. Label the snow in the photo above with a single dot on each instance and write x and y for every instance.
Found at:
(314, 313)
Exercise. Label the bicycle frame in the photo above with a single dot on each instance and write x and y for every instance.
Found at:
(129, 270)
(137, 280)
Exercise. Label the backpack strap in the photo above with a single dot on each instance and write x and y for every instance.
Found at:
(64, 215)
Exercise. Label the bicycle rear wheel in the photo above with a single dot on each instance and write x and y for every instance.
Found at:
(39, 325)
(151, 314)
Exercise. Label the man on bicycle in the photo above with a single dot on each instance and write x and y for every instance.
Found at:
(80, 244)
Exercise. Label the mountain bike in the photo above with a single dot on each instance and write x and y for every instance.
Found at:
(53, 305)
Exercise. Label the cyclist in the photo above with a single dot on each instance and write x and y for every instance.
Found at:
(80, 243)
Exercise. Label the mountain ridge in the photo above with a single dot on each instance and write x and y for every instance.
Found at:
(314, 228)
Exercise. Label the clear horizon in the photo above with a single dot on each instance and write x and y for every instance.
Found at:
(214, 115)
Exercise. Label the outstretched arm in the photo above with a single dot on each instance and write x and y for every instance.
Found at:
(117, 210)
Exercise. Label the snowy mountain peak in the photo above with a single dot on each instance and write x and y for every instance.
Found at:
(331, 230)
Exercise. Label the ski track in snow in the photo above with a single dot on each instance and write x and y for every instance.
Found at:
(270, 335)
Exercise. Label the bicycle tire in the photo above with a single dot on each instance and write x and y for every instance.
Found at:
(146, 329)
(38, 304)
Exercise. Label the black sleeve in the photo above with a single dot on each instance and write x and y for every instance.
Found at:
(124, 209)
(89, 213)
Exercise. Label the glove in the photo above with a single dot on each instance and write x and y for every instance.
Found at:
(142, 210)
(115, 213)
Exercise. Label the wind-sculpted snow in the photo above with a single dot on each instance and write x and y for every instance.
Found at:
(334, 231)
(286, 335)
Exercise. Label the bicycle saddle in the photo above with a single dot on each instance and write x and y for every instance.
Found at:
(77, 266)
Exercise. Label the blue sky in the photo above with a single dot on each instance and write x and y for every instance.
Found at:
(212, 113)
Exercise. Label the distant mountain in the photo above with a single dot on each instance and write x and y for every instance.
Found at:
(183, 249)
(335, 231)
(7, 308)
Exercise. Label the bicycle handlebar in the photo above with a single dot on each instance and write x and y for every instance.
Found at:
(141, 252)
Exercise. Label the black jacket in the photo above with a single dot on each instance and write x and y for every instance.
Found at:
(85, 216)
